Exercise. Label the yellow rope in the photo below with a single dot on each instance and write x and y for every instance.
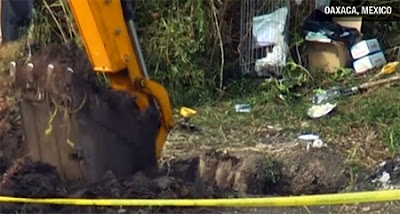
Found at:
(307, 200)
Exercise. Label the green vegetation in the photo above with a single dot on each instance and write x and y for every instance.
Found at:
(176, 38)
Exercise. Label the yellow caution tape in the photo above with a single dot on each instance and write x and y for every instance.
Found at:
(307, 200)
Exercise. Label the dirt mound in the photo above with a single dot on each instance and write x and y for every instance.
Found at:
(245, 175)
(312, 172)
(31, 179)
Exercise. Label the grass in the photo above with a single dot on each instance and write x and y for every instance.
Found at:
(377, 109)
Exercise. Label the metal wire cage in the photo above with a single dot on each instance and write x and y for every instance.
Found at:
(256, 52)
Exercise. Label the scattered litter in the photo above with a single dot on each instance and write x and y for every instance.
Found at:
(244, 108)
(318, 143)
(366, 63)
(308, 137)
(274, 60)
(389, 68)
(312, 140)
(267, 29)
(317, 111)
(318, 37)
(364, 48)
(323, 96)
(344, 31)
(385, 178)
(382, 164)
(187, 112)
(328, 39)
(268, 32)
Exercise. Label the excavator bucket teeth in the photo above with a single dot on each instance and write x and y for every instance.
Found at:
(74, 123)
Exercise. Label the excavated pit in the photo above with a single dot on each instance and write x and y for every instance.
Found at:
(210, 175)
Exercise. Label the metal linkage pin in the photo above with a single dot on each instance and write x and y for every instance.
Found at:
(49, 77)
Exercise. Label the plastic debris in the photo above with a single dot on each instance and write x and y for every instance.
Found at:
(268, 32)
(267, 29)
(382, 164)
(389, 68)
(274, 60)
(308, 137)
(317, 111)
(313, 141)
(323, 96)
(385, 178)
(187, 112)
(318, 143)
(245, 108)
(318, 37)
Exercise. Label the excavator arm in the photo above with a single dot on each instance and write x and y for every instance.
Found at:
(111, 42)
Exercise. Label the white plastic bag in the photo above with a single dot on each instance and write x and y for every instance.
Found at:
(267, 29)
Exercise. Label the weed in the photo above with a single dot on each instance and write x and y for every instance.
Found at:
(52, 23)
(272, 171)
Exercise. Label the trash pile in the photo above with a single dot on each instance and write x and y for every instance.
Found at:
(337, 42)
(263, 38)
(387, 174)
(268, 32)
(333, 42)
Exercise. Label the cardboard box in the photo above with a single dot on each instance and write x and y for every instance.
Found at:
(331, 56)
(328, 56)
(368, 62)
(364, 48)
(349, 22)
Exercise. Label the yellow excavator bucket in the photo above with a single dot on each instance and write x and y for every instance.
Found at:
(85, 130)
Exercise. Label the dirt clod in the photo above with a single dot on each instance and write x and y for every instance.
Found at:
(31, 179)
(245, 175)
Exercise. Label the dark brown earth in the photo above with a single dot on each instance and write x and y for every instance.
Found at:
(212, 175)
(190, 177)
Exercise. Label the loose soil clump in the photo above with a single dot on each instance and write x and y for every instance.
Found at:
(312, 172)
